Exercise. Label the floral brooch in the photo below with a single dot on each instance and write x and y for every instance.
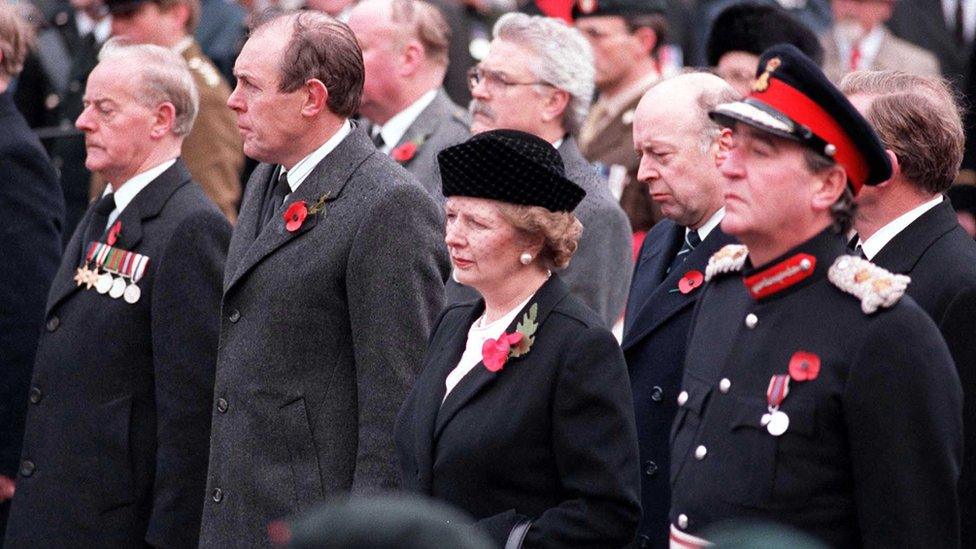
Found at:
(496, 352)
(299, 210)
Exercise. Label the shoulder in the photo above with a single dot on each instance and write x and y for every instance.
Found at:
(189, 209)
(571, 314)
(874, 286)
(204, 72)
(915, 58)
(728, 259)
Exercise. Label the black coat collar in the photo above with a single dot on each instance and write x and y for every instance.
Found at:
(902, 253)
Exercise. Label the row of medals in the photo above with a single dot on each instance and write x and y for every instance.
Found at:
(105, 283)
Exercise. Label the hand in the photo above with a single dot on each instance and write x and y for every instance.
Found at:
(7, 487)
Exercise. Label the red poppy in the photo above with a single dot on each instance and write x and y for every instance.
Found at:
(295, 215)
(113, 233)
(690, 281)
(404, 152)
(495, 352)
(804, 366)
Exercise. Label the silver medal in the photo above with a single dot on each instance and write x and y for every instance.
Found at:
(104, 283)
(778, 423)
(118, 288)
(132, 294)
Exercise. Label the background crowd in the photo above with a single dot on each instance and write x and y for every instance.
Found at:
(295, 292)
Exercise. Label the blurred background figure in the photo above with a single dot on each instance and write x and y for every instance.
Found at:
(945, 27)
(626, 37)
(399, 521)
(861, 41)
(220, 33)
(31, 216)
(405, 52)
(743, 31)
(963, 198)
(538, 78)
(49, 93)
(213, 150)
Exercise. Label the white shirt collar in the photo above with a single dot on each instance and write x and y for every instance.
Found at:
(869, 46)
(396, 127)
(128, 190)
(710, 224)
(101, 28)
(880, 239)
(299, 172)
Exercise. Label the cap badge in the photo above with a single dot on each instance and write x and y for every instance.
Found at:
(587, 6)
(762, 83)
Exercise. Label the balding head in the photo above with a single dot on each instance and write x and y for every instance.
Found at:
(681, 148)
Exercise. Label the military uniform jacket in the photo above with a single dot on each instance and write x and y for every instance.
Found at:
(549, 437)
(941, 260)
(322, 334)
(115, 450)
(656, 330)
(872, 451)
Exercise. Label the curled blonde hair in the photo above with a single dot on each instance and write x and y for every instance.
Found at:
(560, 231)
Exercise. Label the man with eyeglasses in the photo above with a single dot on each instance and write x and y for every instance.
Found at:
(538, 78)
(625, 36)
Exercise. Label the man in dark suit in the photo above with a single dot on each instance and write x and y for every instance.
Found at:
(946, 33)
(908, 226)
(31, 216)
(115, 450)
(538, 78)
(334, 278)
(405, 46)
(680, 152)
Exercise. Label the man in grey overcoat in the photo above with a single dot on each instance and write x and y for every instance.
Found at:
(334, 276)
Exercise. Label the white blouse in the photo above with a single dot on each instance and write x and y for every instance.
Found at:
(477, 335)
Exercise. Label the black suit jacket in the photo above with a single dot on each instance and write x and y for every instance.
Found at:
(656, 328)
(31, 213)
(550, 437)
(115, 451)
(941, 260)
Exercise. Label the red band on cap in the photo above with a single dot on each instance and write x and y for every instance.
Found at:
(803, 110)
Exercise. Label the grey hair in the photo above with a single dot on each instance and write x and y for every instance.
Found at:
(707, 100)
(563, 59)
(165, 78)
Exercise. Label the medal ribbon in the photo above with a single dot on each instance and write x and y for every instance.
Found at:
(779, 387)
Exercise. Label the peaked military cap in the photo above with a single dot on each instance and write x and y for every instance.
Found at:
(754, 28)
(598, 8)
(509, 166)
(792, 98)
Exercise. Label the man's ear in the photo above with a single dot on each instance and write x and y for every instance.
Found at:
(722, 146)
(316, 97)
(164, 118)
(647, 39)
(895, 169)
(555, 105)
(828, 187)
(411, 57)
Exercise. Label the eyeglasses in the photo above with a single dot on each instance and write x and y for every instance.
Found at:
(495, 81)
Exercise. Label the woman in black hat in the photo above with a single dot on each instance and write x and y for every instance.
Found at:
(522, 416)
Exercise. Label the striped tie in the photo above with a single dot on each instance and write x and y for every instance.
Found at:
(692, 240)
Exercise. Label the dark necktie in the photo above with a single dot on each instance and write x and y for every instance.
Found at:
(97, 222)
(378, 140)
(859, 251)
(692, 240)
(278, 194)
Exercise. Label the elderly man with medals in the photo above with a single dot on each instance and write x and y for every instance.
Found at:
(815, 394)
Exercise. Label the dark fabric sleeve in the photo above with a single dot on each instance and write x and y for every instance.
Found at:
(186, 298)
(903, 407)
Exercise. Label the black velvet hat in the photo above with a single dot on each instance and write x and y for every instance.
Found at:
(792, 98)
(623, 8)
(754, 28)
(509, 166)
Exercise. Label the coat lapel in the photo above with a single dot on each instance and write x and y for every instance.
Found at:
(328, 178)
(426, 124)
(146, 205)
(246, 230)
(904, 250)
(550, 294)
(666, 300)
(655, 256)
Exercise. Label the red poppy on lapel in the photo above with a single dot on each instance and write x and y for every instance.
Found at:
(495, 352)
(804, 366)
(690, 281)
(295, 215)
(113, 233)
(404, 152)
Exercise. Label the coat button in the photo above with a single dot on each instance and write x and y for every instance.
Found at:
(700, 453)
(234, 315)
(657, 393)
(221, 405)
(650, 468)
(52, 324)
(751, 321)
(217, 495)
(682, 521)
(643, 541)
(725, 385)
(34, 395)
(27, 468)
(682, 398)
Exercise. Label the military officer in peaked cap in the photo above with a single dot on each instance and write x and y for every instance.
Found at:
(815, 394)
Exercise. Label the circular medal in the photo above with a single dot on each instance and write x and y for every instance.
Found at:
(779, 422)
(104, 283)
(132, 293)
(118, 288)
